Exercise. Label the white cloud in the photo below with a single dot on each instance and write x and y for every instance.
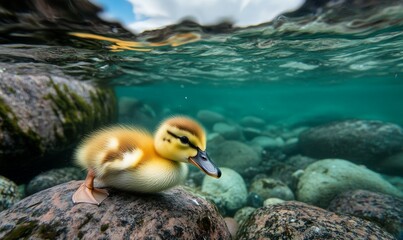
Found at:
(152, 14)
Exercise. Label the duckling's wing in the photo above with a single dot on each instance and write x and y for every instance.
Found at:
(114, 149)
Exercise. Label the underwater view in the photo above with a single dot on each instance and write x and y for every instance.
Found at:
(232, 119)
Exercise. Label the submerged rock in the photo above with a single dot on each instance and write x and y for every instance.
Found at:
(172, 214)
(9, 193)
(392, 165)
(324, 179)
(384, 210)
(229, 190)
(243, 214)
(235, 155)
(54, 177)
(253, 122)
(209, 118)
(228, 131)
(296, 220)
(45, 113)
(355, 140)
(271, 188)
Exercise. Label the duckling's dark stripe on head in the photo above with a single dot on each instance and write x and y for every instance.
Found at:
(187, 125)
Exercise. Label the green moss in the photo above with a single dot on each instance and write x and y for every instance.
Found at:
(104, 227)
(29, 139)
(48, 231)
(21, 231)
(78, 115)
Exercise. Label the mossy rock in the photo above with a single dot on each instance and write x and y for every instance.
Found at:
(42, 114)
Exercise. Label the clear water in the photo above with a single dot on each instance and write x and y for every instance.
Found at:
(317, 65)
(332, 64)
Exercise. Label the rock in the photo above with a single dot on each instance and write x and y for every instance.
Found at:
(253, 122)
(9, 193)
(209, 118)
(54, 177)
(296, 220)
(213, 141)
(128, 105)
(392, 165)
(251, 133)
(355, 140)
(395, 181)
(229, 132)
(254, 200)
(384, 210)
(243, 214)
(232, 226)
(44, 113)
(324, 179)
(268, 142)
(235, 155)
(272, 201)
(132, 110)
(172, 214)
(271, 188)
(229, 190)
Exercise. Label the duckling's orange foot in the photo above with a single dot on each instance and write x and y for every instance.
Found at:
(89, 195)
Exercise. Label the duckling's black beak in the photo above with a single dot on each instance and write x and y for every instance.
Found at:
(204, 163)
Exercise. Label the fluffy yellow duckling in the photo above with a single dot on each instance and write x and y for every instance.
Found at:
(130, 159)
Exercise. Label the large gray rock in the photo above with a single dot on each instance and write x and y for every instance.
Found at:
(228, 131)
(209, 118)
(324, 179)
(228, 191)
(54, 177)
(271, 188)
(296, 220)
(235, 155)
(172, 214)
(384, 210)
(355, 140)
(42, 113)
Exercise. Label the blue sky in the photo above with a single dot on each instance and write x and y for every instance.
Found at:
(120, 10)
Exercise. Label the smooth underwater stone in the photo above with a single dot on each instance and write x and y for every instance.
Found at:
(268, 142)
(272, 201)
(243, 214)
(325, 179)
(253, 122)
(235, 155)
(382, 209)
(44, 113)
(9, 193)
(359, 141)
(296, 220)
(54, 177)
(209, 118)
(172, 214)
(271, 188)
(229, 190)
(228, 131)
(392, 165)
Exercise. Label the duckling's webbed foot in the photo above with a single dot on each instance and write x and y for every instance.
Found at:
(86, 193)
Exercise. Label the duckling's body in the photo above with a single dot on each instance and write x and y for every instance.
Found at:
(131, 159)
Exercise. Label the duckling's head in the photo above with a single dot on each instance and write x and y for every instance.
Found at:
(183, 139)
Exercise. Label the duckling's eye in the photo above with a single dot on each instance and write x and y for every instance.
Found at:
(184, 139)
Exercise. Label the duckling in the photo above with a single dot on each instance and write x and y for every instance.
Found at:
(130, 159)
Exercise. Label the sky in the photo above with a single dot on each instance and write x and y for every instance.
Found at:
(141, 15)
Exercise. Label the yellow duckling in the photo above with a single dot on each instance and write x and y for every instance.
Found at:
(130, 159)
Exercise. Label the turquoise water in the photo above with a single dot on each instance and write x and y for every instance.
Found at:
(266, 90)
